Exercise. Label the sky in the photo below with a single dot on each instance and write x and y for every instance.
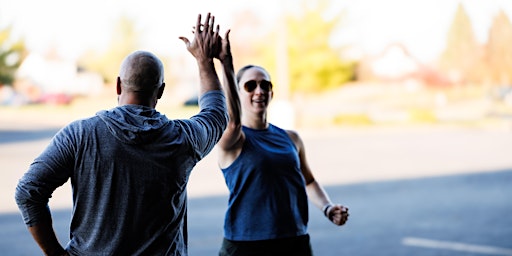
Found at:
(75, 26)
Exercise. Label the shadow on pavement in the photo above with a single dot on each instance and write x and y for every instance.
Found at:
(472, 209)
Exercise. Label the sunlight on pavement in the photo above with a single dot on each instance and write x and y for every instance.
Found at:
(454, 246)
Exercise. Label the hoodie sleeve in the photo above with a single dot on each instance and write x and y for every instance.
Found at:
(206, 128)
(49, 171)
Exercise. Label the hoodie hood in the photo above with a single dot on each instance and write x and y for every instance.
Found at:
(134, 124)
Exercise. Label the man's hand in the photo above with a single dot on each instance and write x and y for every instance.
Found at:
(204, 46)
(46, 238)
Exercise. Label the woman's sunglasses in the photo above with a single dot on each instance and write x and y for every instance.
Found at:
(251, 85)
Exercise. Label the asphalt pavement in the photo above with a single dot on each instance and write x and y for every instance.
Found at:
(440, 192)
(450, 215)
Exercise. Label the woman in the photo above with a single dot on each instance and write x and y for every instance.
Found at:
(266, 171)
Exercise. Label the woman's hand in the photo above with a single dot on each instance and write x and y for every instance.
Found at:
(338, 214)
(225, 49)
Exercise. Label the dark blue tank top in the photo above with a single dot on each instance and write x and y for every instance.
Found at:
(267, 190)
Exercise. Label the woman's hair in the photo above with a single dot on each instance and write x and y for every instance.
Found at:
(242, 70)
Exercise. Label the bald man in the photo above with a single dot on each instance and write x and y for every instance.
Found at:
(129, 165)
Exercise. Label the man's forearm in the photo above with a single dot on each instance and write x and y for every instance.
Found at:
(45, 237)
(208, 78)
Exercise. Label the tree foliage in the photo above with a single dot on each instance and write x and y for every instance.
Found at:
(12, 54)
(245, 43)
(499, 50)
(312, 63)
(462, 54)
(125, 39)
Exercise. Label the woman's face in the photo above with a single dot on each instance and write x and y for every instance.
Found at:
(255, 90)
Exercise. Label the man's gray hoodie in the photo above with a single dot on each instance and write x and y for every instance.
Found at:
(129, 168)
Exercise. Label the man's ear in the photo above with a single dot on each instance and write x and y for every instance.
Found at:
(161, 91)
(118, 86)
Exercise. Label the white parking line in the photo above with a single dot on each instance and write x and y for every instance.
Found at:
(454, 246)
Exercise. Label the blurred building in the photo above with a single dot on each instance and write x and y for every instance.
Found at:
(50, 79)
(397, 65)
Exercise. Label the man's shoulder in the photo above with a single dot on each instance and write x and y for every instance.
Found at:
(86, 120)
(83, 123)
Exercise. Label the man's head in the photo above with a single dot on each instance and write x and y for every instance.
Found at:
(141, 79)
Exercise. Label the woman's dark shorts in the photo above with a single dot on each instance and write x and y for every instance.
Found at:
(294, 246)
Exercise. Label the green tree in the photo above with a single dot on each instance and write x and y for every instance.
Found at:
(313, 64)
(462, 53)
(125, 39)
(499, 50)
(12, 54)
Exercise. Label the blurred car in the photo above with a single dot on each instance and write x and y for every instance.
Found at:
(192, 101)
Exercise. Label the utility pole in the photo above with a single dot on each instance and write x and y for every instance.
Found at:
(282, 111)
